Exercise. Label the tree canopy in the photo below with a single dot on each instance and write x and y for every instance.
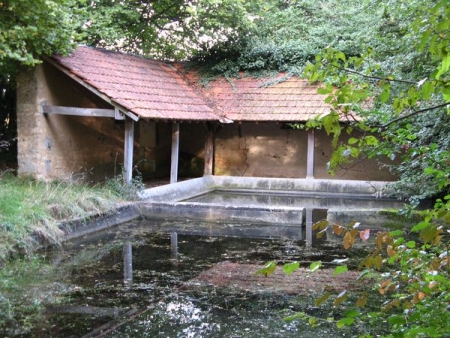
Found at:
(29, 29)
(165, 28)
(288, 34)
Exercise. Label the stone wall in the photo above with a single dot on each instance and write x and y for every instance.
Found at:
(272, 150)
(358, 169)
(64, 147)
(261, 150)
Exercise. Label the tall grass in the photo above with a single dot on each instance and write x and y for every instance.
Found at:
(31, 210)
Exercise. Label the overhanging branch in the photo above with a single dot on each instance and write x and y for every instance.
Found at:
(374, 77)
(415, 112)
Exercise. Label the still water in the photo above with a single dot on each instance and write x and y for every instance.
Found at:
(153, 278)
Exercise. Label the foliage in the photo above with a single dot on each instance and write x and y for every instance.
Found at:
(31, 210)
(381, 93)
(164, 29)
(412, 273)
(127, 191)
(15, 277)
(287, 34)
(398, 90)
(29, 29)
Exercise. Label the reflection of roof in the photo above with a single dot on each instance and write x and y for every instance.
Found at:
(156, 90)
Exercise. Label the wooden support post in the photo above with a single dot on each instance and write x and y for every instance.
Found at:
(209, 149)
(310, 156)
(128, 151)
(175, 151)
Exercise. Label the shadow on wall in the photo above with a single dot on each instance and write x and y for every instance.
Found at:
(189, 165)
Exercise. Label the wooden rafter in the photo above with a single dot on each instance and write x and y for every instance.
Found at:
(76, 111)
(134, 117)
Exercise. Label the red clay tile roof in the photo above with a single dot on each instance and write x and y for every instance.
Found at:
(274, 99)
(150, 89)
(157, 90)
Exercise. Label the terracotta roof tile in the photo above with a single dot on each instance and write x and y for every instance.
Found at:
(267, 99)
(157, 90)
(154, 87)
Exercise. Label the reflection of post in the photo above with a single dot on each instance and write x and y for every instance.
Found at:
(127, 264)
(174, 244)
(308, 224)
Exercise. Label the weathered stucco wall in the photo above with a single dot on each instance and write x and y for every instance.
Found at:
(263, 150)
(370, 170)
(270, 150)
(67, 147)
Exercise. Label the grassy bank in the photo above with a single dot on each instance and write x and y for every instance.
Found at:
(31, 210)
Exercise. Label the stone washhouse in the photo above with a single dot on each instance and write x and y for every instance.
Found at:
(96, 113)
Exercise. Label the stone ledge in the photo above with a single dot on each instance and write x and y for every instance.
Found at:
(81, 227)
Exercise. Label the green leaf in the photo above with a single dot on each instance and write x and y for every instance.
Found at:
(322, 299)
(411, 244)
(352, 313)
(444, 67)
(446, 93)
(323, 90)
(371, 140)
(298, 315)
(427, 90)
(396, 320)
(315, 266)
(418, 227)
(352, 140)
(289, 268)
(344, 322)
(363, 274)
(339, 270)
(429, 233)
(312, 321)
(384, 96)
(395, 233)
(267, 270)
(341, 56)
(314, 76)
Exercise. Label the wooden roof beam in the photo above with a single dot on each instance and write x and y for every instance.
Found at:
(125, 111)
(77, 111)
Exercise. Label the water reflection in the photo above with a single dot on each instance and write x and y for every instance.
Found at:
(132, 268)
(174, 244)
(128, 264)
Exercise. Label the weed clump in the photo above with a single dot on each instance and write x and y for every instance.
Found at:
(31, 210)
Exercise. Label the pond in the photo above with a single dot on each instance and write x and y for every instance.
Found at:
(159, 278)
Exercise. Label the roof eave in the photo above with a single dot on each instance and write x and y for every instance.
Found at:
(83, 83)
